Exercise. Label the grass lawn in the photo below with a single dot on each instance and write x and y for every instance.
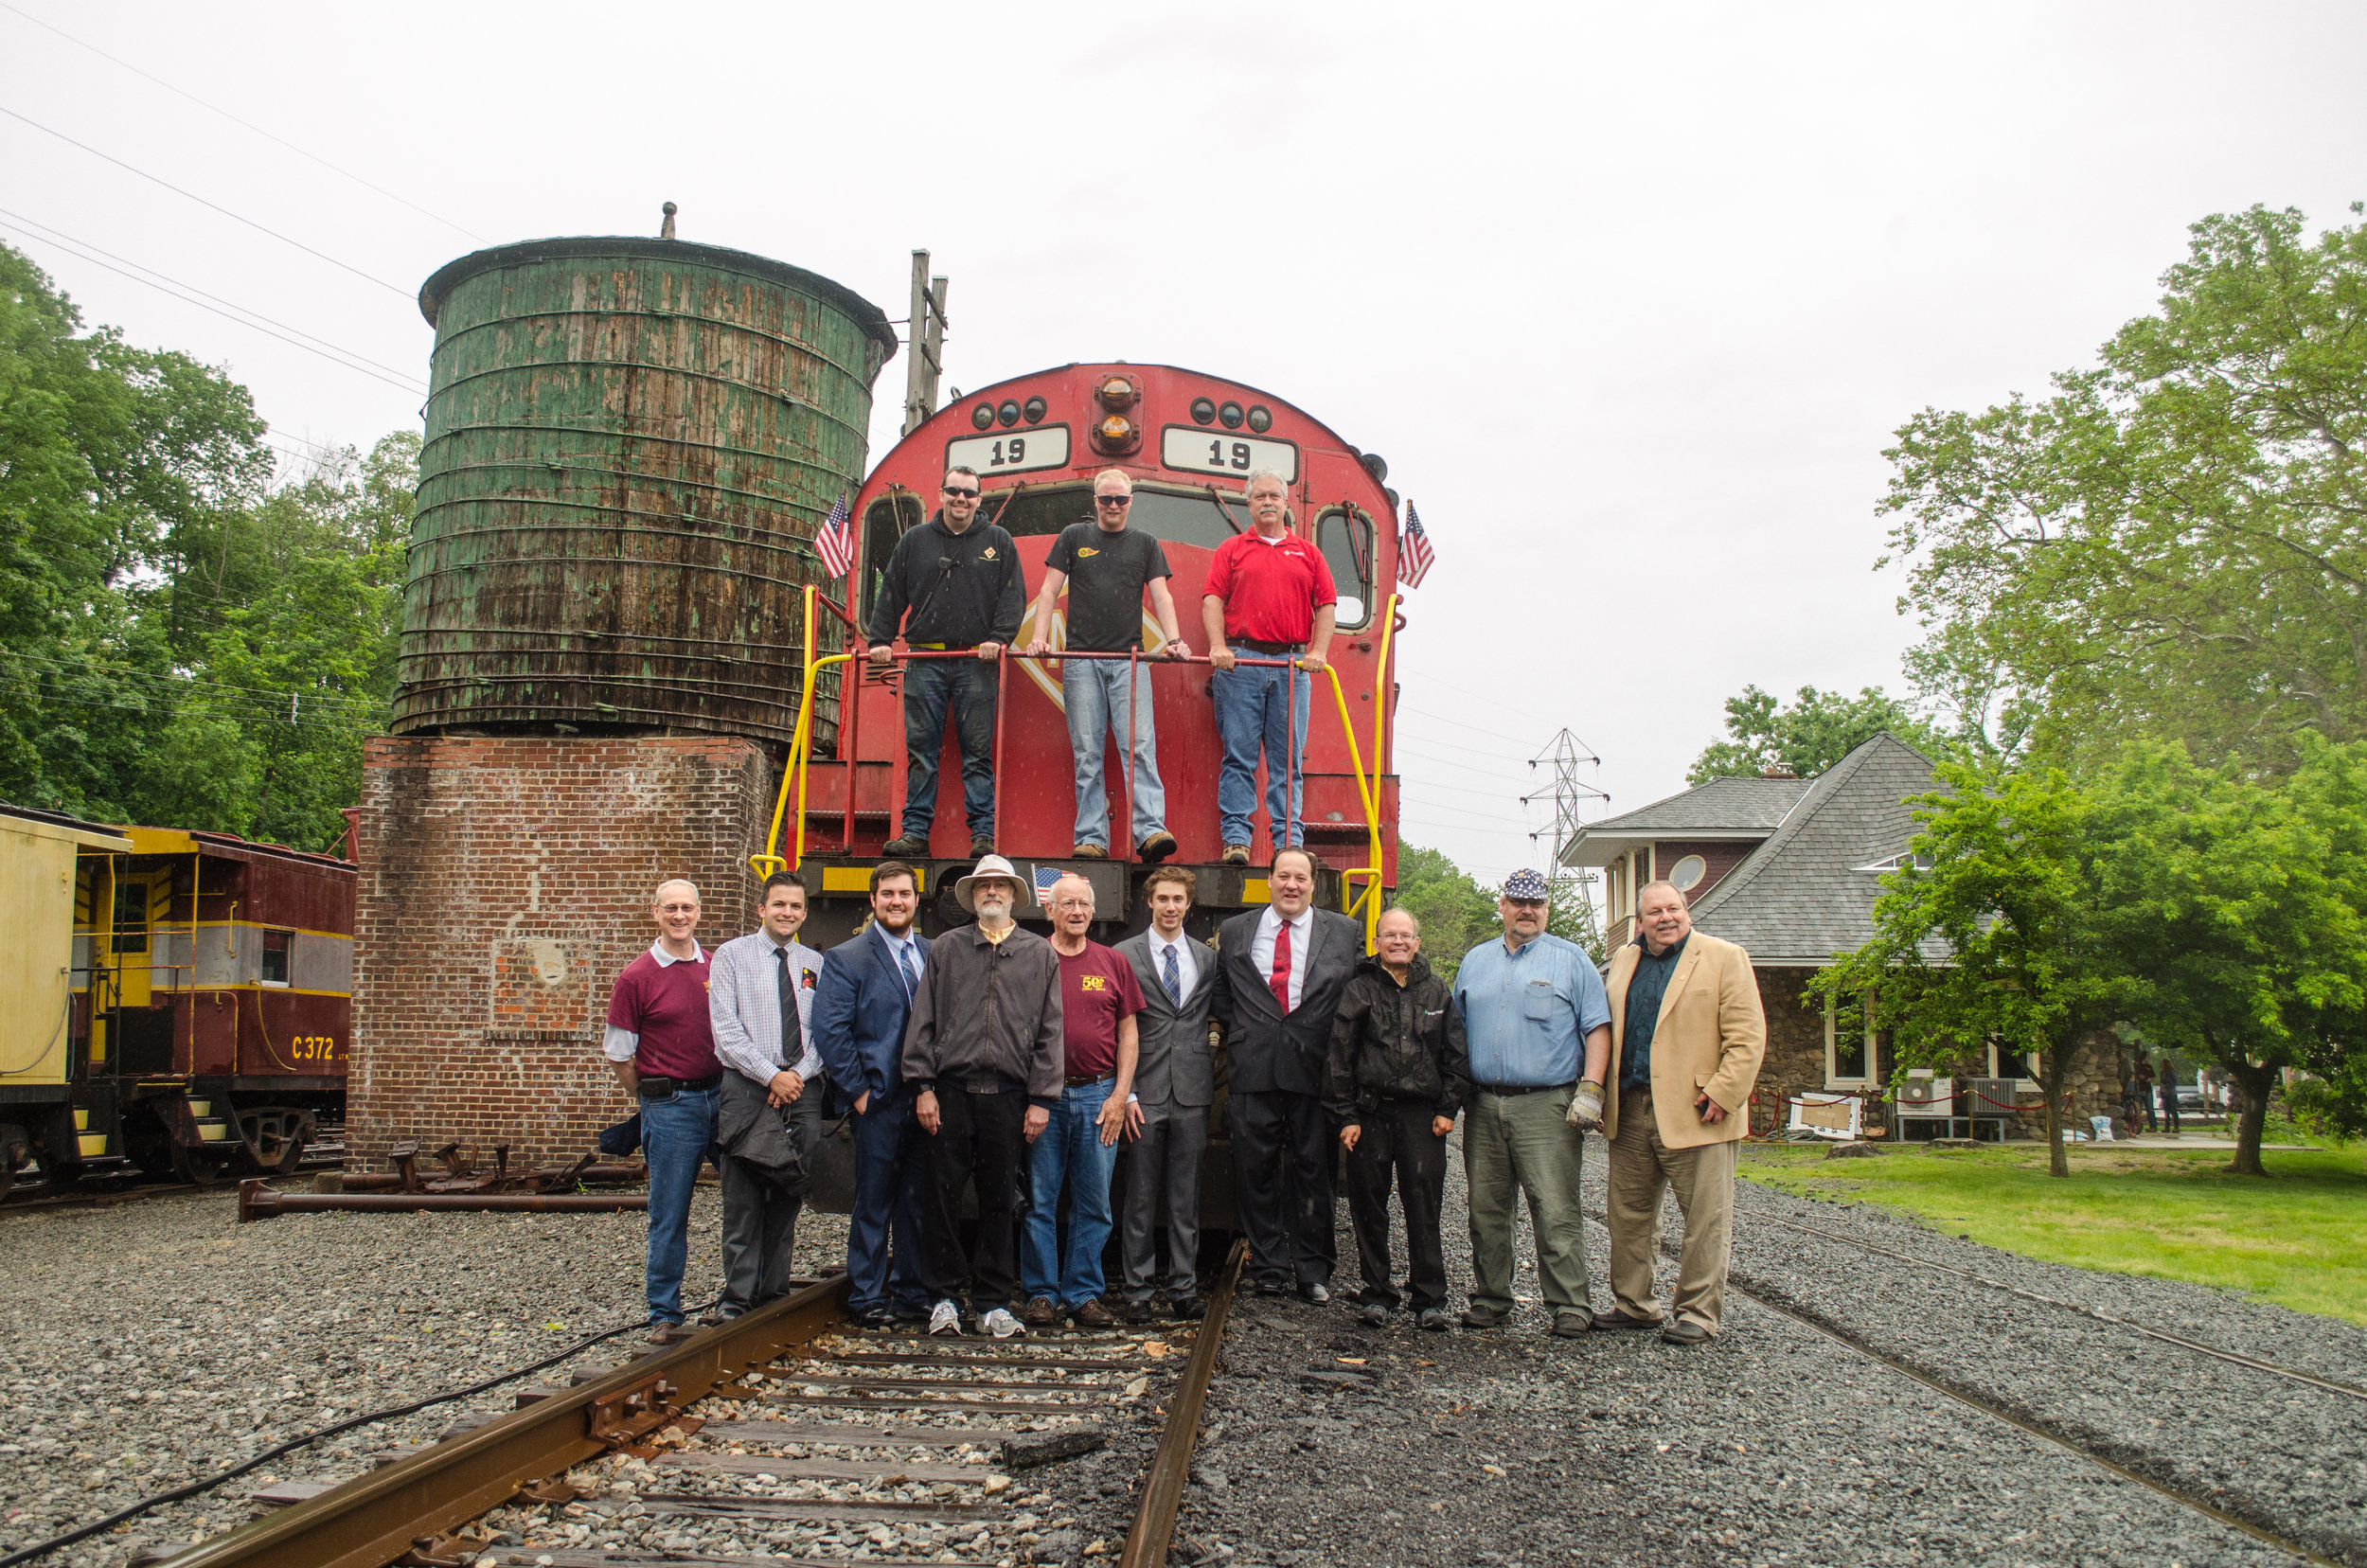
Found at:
(2297, 1238)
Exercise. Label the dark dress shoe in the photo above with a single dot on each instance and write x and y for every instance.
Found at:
(1091, 1315)
(1139, 1313)
(1190, 1309)
(1617, 1319)
(875, 1317)
(1681, 1333)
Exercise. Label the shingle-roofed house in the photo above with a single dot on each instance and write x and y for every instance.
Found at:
(1789, 869)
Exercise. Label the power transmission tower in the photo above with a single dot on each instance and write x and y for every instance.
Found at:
(926, 334)
(1563, 754)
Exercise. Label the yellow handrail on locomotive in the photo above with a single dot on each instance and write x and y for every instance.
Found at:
(1367, 786)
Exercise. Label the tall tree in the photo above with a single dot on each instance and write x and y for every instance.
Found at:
(1990, 932)
(1457, 914)
(1818, 730)
(2238, 907)
(2171, 543)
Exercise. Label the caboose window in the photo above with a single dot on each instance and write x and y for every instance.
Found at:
(277, 946)
(131, 922)
(1347, 541)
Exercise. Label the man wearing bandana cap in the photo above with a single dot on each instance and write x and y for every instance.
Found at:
(1538, 1023)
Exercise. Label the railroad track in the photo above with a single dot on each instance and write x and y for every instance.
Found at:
(1770, 1298)
(794, 1429)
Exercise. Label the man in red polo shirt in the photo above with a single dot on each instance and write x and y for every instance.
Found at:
(662, 1045)
(1268, 593)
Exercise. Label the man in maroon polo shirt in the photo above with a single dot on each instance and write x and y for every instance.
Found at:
(662, 1045)
(1267, 593)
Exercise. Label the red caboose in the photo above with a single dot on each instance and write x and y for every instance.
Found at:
(1188, 443)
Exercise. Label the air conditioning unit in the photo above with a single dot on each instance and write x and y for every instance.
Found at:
(1927, 1097)
(1986, 1097)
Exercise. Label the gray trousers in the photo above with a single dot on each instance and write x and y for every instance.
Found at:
(1162, 1185)
(761, 1219)
(1516, 1145)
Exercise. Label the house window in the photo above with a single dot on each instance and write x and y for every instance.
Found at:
(1849, 1054)
(278, 948)
(1686, 874)
(2004, 1063)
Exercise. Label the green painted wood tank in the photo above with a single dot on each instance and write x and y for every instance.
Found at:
(630, 445)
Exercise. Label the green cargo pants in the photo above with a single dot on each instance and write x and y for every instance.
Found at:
(1524, 1141)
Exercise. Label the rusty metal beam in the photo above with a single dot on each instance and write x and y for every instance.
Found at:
(1171, 1466)
(258, 1200)
(373, 1519)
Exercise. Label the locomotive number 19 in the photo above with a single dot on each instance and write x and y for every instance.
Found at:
(1186, 447)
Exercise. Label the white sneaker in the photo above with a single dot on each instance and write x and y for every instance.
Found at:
(945, 1318)
(1002, 1325)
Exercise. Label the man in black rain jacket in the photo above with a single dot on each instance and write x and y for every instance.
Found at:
(1398, 1073)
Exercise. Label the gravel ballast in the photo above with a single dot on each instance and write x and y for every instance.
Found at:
(1771, 1444)
(154, 1342)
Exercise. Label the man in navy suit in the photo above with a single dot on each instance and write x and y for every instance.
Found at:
(1280, 974)
(861, 1005)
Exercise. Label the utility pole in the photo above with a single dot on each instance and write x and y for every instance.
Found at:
(1563, 754)
(927, 336)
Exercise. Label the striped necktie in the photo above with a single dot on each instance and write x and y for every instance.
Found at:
(1174, 978)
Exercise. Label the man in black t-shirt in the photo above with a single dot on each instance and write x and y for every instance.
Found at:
(1107, 568)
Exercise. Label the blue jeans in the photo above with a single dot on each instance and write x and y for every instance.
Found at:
(964, 687)
(1250, 704)
(676, 1131)
(1070, 1150)
(883, 1233)
(1093, 692)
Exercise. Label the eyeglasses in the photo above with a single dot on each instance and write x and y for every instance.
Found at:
(961, 494)
(1113, 500)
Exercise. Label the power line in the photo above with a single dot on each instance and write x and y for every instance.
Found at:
(394, 288)
(330, 352)
(245, 124)
(1434, 717)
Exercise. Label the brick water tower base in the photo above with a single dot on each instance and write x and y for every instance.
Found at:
(504, 884)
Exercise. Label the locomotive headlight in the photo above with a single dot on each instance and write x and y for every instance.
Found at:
(982, 416)
(1115, 430)
(1116, 394)
(1034, 412)
(1260, 419)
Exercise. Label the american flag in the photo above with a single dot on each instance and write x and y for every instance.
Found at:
(1414, 551)
(836, 539)
(1045, 877)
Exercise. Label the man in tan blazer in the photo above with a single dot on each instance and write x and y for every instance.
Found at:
(1687, 1036)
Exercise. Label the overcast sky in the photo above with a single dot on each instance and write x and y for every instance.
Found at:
(1630, 300)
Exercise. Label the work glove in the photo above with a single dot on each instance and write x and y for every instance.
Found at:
(1586, 1108)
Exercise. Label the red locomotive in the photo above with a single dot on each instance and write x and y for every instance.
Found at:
(1188, 443)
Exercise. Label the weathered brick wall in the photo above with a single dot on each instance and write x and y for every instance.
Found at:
(504, 884)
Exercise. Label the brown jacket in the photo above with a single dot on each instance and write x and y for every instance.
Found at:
(1710, 1039)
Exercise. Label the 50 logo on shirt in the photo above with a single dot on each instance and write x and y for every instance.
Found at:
(1093, 983)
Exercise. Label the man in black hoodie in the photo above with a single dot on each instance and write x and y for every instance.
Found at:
(960, 578)
(1398, 1073)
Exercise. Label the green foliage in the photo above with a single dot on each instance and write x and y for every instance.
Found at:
(1818, 730)
(180, 642)
(1571, 915)
(2169, 544)
(1457, 914)
(1991, 932)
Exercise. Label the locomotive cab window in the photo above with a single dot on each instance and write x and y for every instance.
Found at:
(1346, 538)
(882, 528)
(1172, 517)
(279, 948)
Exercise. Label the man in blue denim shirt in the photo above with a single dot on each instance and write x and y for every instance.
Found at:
(1538, 1022)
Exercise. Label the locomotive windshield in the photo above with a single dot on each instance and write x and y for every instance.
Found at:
(1175, 517)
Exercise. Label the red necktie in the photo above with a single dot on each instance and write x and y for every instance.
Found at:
(1281, 981)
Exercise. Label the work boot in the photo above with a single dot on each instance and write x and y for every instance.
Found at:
(1139, 1313)
(1158, 847)
(1088, 851)
(1478, 1316)
(1617, 1319)
(981, 846)
(905, 846)
(1091, 1315)
(1042, 1313)
(1684, 1331)
(1188, 1309)
(1570, 1324)
(1236, 854)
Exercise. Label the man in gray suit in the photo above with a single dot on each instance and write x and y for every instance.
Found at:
(1280, 974)
(1174, 1082)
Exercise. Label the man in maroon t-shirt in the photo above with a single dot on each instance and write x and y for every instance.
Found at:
(662, 1045)
(1267, 593)
(1099, 997)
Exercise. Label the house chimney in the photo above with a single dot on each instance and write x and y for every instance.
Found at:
(1778, 770)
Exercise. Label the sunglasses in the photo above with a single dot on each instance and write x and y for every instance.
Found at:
(961, 494)
(1113, 500)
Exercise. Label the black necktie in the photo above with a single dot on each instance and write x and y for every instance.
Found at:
(793, 1034)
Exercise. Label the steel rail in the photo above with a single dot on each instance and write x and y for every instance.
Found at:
(373, 1519)
(259, 1200)
(1171, 1466)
